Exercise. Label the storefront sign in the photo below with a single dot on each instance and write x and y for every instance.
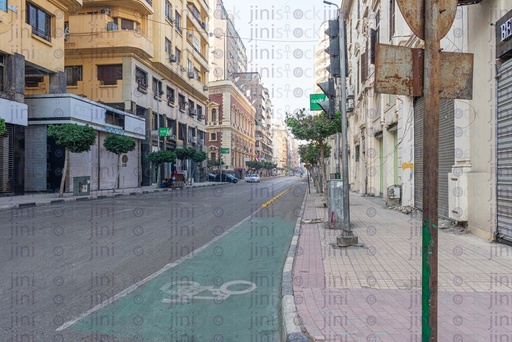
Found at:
(504, 36)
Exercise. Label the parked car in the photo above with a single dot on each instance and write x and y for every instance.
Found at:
(254, 178)
(211, 177)
(227, 177)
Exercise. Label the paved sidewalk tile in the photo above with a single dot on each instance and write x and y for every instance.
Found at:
(373, 292)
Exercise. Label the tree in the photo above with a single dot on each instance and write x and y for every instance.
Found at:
(198, 157)
(75, 139)
(314, 128)
(159, 157)
(3, 128)
(118, 144)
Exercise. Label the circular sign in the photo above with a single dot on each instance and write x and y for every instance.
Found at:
(124, 158)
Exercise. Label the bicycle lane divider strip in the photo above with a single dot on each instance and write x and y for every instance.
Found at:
(273, 199)
(266, 249)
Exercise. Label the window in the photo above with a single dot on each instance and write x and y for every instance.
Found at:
(73, 75)
(391, 19)
(33, 81)
(214, 115)
(127, 24)
(168, 11)
(157, 87)
(167, 47)
(177, 52)
(170, 95)
(182, 103)
(177, 21)
(190, 66)
(213, 136)
(110, 74)
(3, 5)
(171, 124)
(114, 119)
(182, 131)
(199, 112)
(141, 77)
(155, 122)
(39, 20)
(191, 104)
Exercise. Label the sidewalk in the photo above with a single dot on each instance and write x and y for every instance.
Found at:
(39, 199)
(373, 293)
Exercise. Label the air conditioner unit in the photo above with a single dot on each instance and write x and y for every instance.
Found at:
(173, 58)
(193, 140)
(111, 26)
(105, 11)
(350, 92)
(192, 111)
(191, 74)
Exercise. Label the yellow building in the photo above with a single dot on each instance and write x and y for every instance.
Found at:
(146, 57)
(31, 62)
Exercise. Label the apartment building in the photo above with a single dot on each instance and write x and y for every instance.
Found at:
(148, 58)
(228, 54)
(385, 131)
(230, 127)
(33, 95)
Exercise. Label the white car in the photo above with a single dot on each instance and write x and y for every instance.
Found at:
(252, 178)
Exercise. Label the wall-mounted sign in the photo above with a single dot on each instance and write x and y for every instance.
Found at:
(504, 36)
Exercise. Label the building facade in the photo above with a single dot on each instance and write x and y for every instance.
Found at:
(230, 127)
(385, 131)
(31, 62)
(228, 54)
(148, 58)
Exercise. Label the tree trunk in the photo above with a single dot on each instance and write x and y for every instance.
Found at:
(158, 181)
(118, 171)
(64, 173)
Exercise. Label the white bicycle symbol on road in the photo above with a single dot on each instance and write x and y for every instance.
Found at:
(186, 291)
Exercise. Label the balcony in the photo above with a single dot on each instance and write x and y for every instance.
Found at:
(124, 41)
(145, 7)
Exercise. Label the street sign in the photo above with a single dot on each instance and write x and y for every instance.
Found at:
(162, 132)
(224, 150)
(413, 12)
(314, 99)
(399, 71)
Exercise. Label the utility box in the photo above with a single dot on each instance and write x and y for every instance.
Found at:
(82, 186)
(394, 195)
(335, 204)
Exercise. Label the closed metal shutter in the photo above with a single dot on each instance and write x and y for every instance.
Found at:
(504, 153)
(446, 153)
(7, 160)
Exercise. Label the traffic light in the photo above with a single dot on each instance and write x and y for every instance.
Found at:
(328, 106)
(333, 50)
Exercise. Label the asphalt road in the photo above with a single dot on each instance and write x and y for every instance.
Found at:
(201, 264)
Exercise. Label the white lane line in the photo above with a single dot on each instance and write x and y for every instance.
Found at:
(151, 277)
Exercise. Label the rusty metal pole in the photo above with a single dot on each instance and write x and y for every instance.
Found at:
(431, 89)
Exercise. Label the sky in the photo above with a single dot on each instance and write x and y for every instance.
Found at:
(280, 38)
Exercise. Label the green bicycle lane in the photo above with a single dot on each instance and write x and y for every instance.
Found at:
(229, 291)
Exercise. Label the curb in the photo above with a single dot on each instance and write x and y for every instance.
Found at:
(291, 322)
(49, 201)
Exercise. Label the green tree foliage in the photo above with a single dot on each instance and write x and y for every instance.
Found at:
(314, 128)
(198, 157)
(159, 157)
(3, 128)
(75, 139)
(185, 153)
(118, 144)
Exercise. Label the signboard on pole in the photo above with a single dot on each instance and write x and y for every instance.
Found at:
(224, 150)
(314, 99)
(162, 132)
